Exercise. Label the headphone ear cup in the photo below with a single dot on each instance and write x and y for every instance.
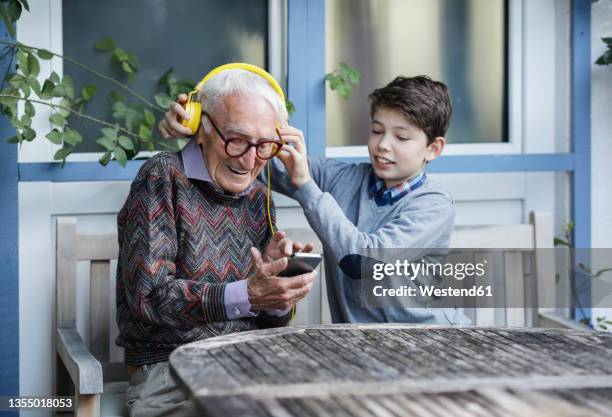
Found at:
(194, 109)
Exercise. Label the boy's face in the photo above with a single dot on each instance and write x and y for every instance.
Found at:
(398, 149)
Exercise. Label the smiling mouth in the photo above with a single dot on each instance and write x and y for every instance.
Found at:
(382, 160)
(236, 170)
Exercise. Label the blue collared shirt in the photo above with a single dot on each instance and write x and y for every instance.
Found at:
(383, 195)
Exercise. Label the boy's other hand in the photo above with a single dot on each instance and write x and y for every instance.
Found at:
(171, 126)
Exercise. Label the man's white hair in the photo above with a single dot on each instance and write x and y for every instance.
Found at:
(238, 82)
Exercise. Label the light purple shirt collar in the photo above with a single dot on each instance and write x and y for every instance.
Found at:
(195, 166)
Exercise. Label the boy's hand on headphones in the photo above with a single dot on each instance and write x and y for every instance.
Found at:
(171, 126)
(293, 154)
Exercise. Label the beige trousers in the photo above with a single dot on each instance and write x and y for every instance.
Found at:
(154, 393)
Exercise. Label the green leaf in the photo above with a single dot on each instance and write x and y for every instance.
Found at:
(126, 67)
(29, 134)
(25, 4)
(54, 77)
(44, 54)
(105, 44)
(105, 159)
(107, 142)
(126, 143)
(109, 133)
(120, 55)
(68, 86)
(149, 118)
(607, 41)
(14, 10)
(133, 61)
(16, 80)
(55, 136)
(163, 80)
(65, 103)
(59, 90)
(47, 90)
(120, 155)
(163, 100)
(115, 96)
(88, 92)
(144, 132)
(335, 83)
(72, 137)
(354, 76)
(9, 101)
(132, 120)
(344, 90)
(290, 107)
(120, 110)
(344, 70)
(7, 23)
(26, 120)
(29, 109)
(26, 90)
(14, 139)
(62, 153)
(34, 84)
(58, 120)
(560, 242)
(22, 59)
(17, 124)
(33, 65)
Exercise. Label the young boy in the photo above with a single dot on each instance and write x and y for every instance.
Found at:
(388, 203)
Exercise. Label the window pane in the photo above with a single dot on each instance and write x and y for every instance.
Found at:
(460, 42)
(191, 36)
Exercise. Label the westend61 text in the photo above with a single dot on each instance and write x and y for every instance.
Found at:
(432, 291)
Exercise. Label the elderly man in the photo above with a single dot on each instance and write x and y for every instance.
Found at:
(197, 258)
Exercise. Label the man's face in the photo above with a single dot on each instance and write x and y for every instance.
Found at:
(245, 117)
(398, 150)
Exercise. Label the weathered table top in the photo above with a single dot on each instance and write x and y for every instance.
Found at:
(399, 370)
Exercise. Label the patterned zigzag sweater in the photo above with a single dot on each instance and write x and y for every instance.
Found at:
(181, 241)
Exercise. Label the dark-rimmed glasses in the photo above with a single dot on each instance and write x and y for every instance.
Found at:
(236, 147)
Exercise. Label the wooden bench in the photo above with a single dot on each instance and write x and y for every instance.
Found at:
(98, 383)
(528, 266)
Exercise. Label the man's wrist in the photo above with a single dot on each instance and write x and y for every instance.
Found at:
(236, 300)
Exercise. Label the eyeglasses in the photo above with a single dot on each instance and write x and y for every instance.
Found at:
(236, 147)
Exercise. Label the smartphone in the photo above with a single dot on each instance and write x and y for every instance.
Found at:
(300, 263)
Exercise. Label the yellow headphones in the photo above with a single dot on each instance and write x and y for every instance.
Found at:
(193, 107)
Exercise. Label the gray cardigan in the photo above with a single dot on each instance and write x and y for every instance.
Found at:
(347, 221)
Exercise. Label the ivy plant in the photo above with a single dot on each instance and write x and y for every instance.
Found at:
(132, 127)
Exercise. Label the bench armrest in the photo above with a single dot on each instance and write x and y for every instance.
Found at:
(84, 369)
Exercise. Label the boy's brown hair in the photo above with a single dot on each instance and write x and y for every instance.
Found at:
(425, 102)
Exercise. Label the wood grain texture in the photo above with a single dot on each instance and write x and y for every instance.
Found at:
(399, 370)
(99, 294)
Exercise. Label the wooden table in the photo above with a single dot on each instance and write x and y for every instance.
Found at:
(399, 370)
